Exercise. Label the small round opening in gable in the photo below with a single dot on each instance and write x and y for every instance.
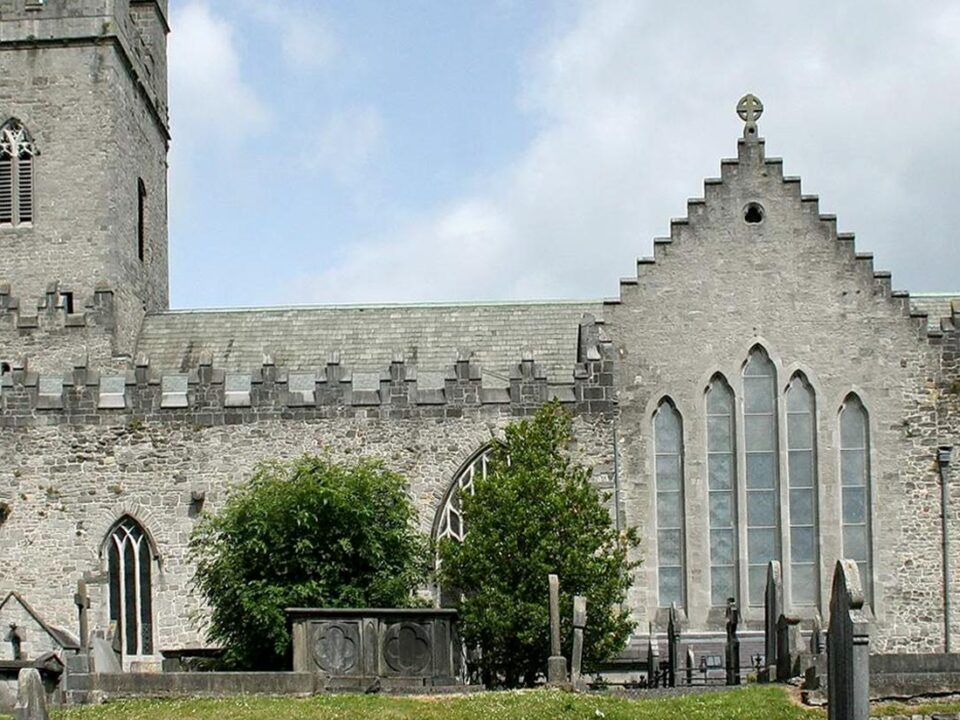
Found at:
(753, 214)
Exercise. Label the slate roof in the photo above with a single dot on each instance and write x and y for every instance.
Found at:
(367, 338)
(935, 305)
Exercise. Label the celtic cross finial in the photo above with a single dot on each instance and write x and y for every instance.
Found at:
(750, 109)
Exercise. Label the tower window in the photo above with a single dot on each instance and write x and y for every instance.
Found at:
(141, 218)
(16, 175)
(130, 565)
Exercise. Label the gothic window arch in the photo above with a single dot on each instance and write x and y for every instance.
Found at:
(130, 560)
(722, 491)
(17, 152)
(671, 551)
(855, 476)
(802, 481)
(761, 453)
(450, 522)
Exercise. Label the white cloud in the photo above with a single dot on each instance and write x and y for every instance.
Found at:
(346, 143)
(209, 98)
(306, 38)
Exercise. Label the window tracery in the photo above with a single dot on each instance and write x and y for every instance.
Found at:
(130, 569)
(17, 152)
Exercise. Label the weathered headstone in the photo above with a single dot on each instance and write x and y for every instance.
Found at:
(690, 661)
(773, 608)
(556, 664)
(788, 647)
(732, 649)
(31, 696)
(653, 660)
(848, 646)
(673, 645)
(579, 623)
(82, 601)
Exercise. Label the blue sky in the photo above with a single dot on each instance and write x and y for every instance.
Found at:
(433, 150)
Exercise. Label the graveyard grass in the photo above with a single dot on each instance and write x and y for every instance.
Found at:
(769, 703)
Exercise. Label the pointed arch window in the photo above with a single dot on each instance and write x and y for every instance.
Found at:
(762, 474)
(130, 569)
(855, 485)
(802, 478)
(721, 486)
(17, 152)
(668, 442)
(450, 521)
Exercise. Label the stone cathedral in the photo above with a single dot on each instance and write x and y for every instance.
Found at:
(755, 391)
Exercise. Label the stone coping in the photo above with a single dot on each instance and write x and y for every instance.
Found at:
(298, 613)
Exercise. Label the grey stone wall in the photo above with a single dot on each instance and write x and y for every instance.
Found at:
(72, 479)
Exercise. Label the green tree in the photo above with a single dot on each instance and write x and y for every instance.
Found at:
(537, 513)
(308, 533)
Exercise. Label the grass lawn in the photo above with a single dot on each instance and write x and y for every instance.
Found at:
(768, 703)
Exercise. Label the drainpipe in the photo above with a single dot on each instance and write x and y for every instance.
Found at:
(944, 456)
(616, 476)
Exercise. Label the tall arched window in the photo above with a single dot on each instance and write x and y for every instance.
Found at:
(721, 485)
(130, 567)
(762, 474)
(450, 521)
(855, 482)
(802, 472)
(16, 174)
(141, 219)
(668, 442)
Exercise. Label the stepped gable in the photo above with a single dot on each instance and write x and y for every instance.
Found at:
(367, 339)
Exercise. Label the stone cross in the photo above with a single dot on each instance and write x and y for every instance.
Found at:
(31, 696)
(653, 659)
(773, 608)
(848, 646)
(673, 645)
(579, 623)
(82, 601)
(732, 649)
(556, 664)
(750, 109)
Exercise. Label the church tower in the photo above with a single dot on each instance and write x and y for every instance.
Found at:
(84, 135)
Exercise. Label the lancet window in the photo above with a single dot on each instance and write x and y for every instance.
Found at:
(450, 522)
(668, 441)
(855, 486)
(802, 477)
(722, 489)
(130, 569)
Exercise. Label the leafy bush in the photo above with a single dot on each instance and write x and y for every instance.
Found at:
(534, 514)
(309, 533)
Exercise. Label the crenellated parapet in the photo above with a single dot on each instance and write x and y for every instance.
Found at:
(59, 309)
(206, 395)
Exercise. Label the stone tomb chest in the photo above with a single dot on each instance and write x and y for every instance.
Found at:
(400, 648)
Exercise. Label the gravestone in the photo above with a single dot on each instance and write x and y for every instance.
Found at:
(673, 646)
(31, 696)
(579, 623)
(848, 646)
(732, 650)
(788, 647)
(556, 664)
(773, 608)
(653, 660)
(690, 661)
(816, 636)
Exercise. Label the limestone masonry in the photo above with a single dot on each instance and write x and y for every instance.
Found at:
(757, 390)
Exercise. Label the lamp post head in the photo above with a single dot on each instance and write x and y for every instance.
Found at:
(945, 455)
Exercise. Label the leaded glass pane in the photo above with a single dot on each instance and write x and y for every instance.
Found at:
(853, 467)
(760, 433)
(801, 468)
(801, 507)
(803, 544)
(761, 508)
(667, 430)
(855, 542)
(757, 580)
(721, 509)
(761, 471)
(719, 433)
(722, 585)
(669, 511)
(762, 545)
(671, 586)
(668, 473)
(853, 425)
(855, 505)
(722, 547)
(670, 547)
(721, 471)
(799, 430)
(804, 584)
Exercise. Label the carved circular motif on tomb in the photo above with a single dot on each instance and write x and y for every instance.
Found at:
(406, 648)
(335, 650)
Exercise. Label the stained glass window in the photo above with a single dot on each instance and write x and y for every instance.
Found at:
(722, 486)
(668, 440)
